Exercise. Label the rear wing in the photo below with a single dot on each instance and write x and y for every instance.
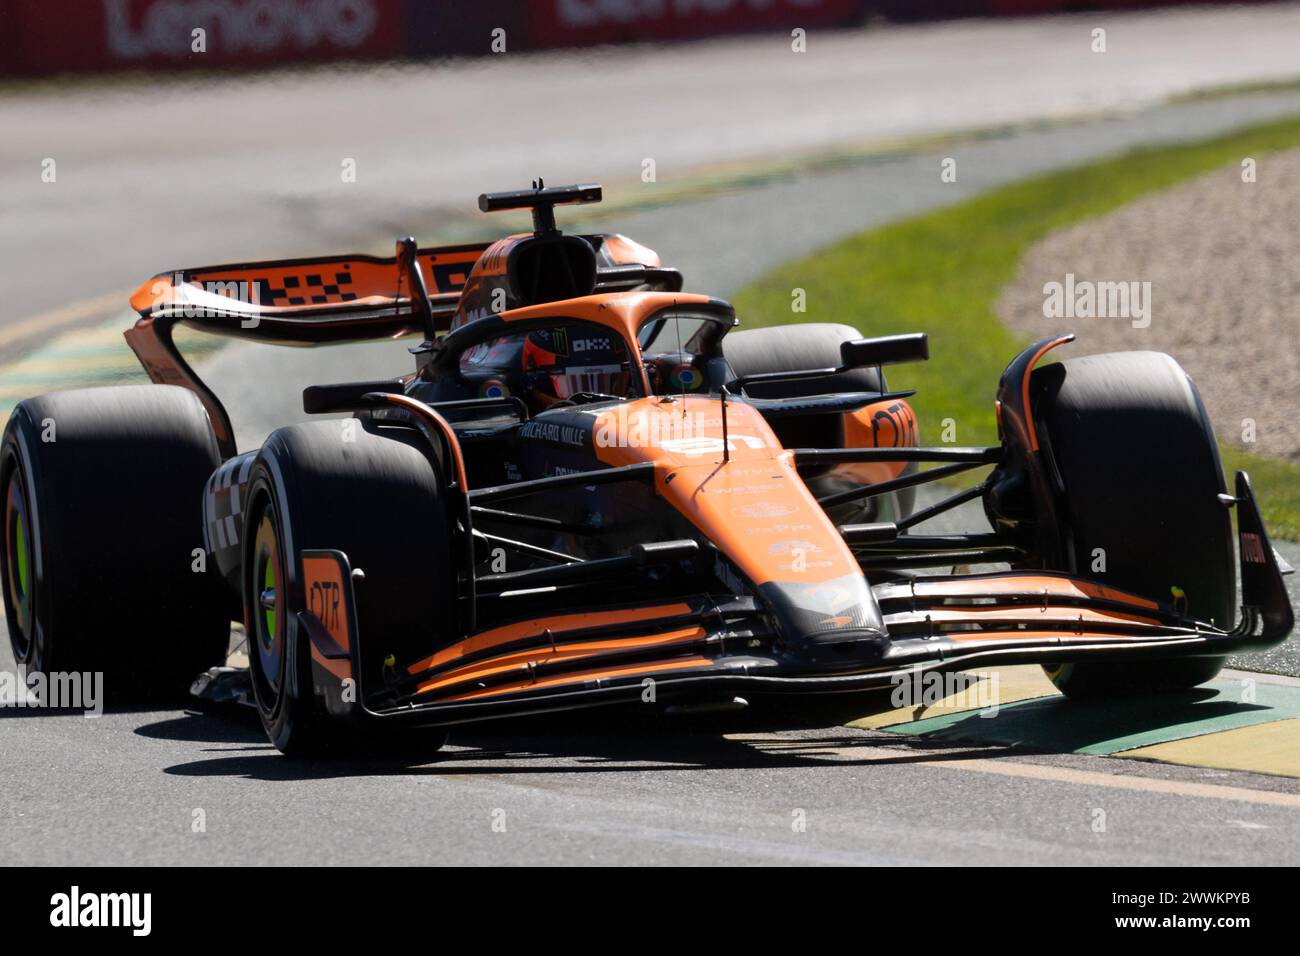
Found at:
(300, 302)
(330, 300)
(308, 301)
(347, 298)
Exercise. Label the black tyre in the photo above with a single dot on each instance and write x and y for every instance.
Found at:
(790, 348)
(1139, 465)
(103, 559)
(376, 497)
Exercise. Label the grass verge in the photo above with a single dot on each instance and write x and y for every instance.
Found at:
(943, 273)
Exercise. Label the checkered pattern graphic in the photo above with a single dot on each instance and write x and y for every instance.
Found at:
(223, 503)
(309, 289)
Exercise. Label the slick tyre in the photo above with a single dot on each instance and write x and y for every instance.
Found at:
(1136, 455)
(790, 348)
(374, 495)
(103, 557)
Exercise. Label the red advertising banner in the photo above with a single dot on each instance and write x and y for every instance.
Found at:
(55, 36)
(586, 22)
(43, 37)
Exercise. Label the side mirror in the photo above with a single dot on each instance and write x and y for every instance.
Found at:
(886, 350)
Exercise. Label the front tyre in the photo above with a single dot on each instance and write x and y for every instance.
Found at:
(1136, 456)
(373, 494)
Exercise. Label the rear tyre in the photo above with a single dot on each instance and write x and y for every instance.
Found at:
(1136, 455)
(102, 495)
(375, 496)
(791, 348)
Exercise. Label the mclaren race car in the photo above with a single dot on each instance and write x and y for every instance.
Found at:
(593, 491)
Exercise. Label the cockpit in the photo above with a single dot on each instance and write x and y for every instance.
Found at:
(564, 361)
(571, 361)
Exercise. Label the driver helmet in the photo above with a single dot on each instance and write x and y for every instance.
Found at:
(561, 362)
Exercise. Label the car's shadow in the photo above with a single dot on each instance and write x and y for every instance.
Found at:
(233, 725)
(566, 744)
(578, 754)
(616, 742)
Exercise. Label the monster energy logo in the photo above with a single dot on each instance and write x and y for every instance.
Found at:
(559, 340)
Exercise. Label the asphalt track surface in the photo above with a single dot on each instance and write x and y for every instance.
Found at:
(125, 787)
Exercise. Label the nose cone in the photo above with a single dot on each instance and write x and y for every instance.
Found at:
(835, 622)
(770, 532)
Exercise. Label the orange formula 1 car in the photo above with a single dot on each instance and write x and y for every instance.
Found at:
(592, 491)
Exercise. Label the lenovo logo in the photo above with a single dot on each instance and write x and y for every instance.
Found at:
(233, 26)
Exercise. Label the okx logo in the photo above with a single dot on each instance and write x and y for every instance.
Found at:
(75, 909)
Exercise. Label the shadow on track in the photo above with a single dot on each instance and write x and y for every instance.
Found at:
(632, 742)
(207, 726)
(593, 755)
